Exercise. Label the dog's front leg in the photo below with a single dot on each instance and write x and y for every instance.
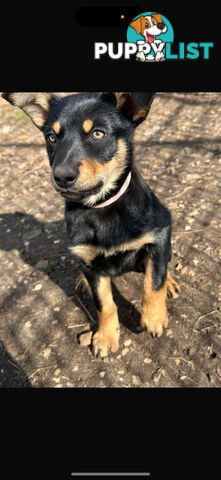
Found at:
(106, 339)
(154, 310)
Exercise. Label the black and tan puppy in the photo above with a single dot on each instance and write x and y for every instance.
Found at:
(115, 222)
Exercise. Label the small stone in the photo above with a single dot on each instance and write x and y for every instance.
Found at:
(169, 333)
(127, 343)
(37, 287)
(124, 352)
(56, 380)
(106, 360)
(41, 264)
(184, 270)
(34, 233)
(57, 335)
(192, 273)
(179, 266)
(56, 309)
(102, 374)
(47, 353)
(136, 380)
(57, 371)
(187, 227)
(75, 369)
(156, 377)
(147, 360)
(85, 339)
(27, 325)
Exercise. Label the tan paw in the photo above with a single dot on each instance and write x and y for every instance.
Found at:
(154, 322)
(172, 286)
(105, 341)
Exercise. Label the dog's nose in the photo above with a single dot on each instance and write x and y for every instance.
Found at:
(64, 178)
(161, 26)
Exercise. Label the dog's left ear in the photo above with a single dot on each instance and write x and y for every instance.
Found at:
(137, 24)
(134, 105)
(35, 104)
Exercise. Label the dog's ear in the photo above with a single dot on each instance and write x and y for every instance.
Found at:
(157, 17)
(134, 105)
(35, 104)
(137, 24)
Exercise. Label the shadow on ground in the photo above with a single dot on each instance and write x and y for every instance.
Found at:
(11, 374)
(26, 237)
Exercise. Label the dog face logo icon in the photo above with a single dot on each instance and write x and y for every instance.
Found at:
(150, 31)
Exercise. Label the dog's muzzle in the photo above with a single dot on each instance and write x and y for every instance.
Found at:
(64, 178)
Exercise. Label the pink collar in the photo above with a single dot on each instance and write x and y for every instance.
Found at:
(118, 195)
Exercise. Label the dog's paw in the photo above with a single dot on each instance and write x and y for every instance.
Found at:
(154, 321)
(172, 286)
(105, 341)
(140, 56)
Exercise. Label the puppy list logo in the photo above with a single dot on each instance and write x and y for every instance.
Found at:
(150, 37)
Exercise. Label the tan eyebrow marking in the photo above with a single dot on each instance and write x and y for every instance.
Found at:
(87, 125)
(57, 127)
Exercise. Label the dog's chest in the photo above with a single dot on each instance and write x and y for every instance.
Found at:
(105, 242)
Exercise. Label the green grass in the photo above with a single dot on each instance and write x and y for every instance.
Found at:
(51, 267)
(58, 301)
(20, 115)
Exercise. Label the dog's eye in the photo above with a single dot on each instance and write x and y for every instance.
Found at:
(147, 24)
(98, 134)
(52, 137)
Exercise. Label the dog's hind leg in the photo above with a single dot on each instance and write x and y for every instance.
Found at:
(82, 284)
(157, 283)
(154, 311)
(172, 286)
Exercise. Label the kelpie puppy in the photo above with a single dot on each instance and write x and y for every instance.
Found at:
(115, 222)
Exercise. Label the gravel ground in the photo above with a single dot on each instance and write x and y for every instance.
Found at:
(177, 149)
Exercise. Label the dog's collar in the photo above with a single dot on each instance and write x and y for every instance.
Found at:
(117, 195)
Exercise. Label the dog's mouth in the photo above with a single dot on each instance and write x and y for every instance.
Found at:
(149, 37)
(152, 32)
(77, 195)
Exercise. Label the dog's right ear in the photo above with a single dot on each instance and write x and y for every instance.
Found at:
(35, 104)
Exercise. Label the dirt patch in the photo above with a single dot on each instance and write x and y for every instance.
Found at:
(178, 152)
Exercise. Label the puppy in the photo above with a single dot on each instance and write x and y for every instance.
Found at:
(115, 222)
(149, 27)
